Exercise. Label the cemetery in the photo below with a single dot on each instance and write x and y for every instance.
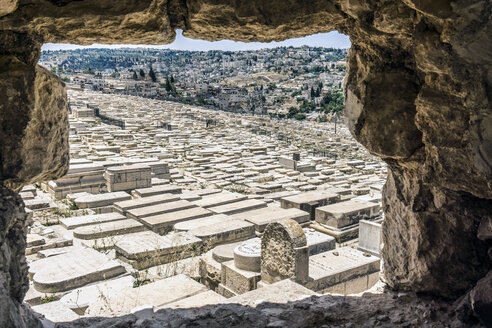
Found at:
(215, 214)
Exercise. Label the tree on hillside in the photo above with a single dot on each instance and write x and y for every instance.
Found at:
(313, 94)
(327, 98)
(172, 79)
(135, 77)
(168, 85)
(142, 73)
(152, 75)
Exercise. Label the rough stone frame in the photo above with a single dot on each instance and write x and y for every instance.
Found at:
(418, 91)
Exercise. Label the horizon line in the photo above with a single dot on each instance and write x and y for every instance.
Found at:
(325, 40)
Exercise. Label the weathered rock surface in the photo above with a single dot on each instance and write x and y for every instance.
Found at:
(33, 115)
(481, 299)
(418, 94)
(13, 266)
(425, 230)
(7, 6)
(392, 310)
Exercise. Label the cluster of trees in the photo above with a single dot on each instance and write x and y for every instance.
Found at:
(316, 92)
(88, 71)
(296, 113)
(141, 73)
(169, 85)
(331, 103)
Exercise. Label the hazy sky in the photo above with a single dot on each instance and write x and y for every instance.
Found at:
(332, 39)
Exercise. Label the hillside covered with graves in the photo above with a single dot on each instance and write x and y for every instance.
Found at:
(161, 195)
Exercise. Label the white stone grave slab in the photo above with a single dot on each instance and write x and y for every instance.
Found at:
(340, 266)
(224, 252)
(263, 217)
(37, 203)
(346, 213)
(238, 207)
(147, 248)
(201, 222)
(33, 239)
(157, 190)
(101, 199)
(220, 199)
(107, 229)
(79, 299)
(126, 205)
(56, 312)
(225, 231)
(279, 292)
(318, 242)
(199, 300)
(370, 237)
(309, 201)
(80, 221)
(164, 222)
(157, 294)
(142, 212)
(73, 269)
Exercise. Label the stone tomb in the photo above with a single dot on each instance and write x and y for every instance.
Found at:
(80, 221)
(72, 269)
(220, 199)
(79, 178)
(287, 163)
(160, 170)
(238, 207)
(199, 300)
(225, 252)
(279, 292)
(247, 255)
(309, 201)
(108, 229)
(284, 252)
(225, 232)
(163, 223)
(49, 241)
(201, 222)
(100, 200)
(143, 212)
(79, 299)
(370, 237)
(157, 294)
(342, 219)
(262, 217)
(346, 213)
(343, 271)
(157, 190)
(55, 312)
(146, 249)
(234, 281)
(124, 206)
(37, 203)
(123, 178)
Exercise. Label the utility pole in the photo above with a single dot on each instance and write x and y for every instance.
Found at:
(335, 124)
